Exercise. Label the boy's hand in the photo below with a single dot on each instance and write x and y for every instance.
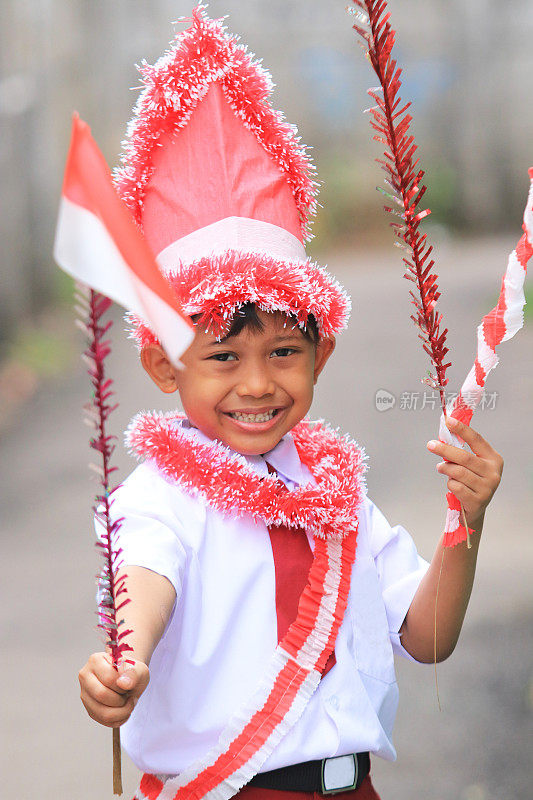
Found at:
(110, 696)
(472, 477)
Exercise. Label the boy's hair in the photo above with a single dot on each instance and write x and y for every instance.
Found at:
(246, 317)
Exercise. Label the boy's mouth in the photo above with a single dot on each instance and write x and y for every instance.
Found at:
(264, 416)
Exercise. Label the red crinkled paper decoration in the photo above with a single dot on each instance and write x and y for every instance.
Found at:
(391, 122)
(113, 594)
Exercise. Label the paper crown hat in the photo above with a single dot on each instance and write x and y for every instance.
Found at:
(222, 187)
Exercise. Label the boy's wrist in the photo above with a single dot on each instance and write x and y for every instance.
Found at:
(477, 524)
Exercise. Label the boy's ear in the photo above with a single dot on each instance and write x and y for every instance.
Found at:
(324, 349)
(159, 368)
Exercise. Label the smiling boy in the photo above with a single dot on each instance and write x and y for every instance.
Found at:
(268, 592)
(267, 370)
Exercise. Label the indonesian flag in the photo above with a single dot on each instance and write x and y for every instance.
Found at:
(98, 243)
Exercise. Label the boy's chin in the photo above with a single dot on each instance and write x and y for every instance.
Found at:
(247, 447)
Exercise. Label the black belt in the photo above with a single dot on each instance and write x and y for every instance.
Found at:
(327, 776)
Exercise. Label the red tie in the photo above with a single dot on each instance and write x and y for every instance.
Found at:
(292, 561)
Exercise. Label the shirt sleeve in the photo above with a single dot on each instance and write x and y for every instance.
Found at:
(149, 533)
(400, 570)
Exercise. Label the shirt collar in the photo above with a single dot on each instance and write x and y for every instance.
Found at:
(286, 461)
(283, 457)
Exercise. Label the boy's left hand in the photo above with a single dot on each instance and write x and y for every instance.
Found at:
(472, 477)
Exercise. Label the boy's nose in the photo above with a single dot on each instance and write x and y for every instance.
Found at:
(255, 382)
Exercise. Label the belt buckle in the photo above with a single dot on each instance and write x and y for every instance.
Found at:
(339, 774)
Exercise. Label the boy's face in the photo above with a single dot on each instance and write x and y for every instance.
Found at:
(248, 390)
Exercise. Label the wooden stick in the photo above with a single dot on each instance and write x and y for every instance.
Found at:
(465, 523)
(435, 629)
(117, 762)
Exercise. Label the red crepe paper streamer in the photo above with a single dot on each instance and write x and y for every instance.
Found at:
(113, 593)
(391, 122)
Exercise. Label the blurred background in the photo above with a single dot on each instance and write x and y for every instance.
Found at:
(467, 69)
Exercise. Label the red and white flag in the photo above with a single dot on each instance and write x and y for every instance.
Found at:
(98, 243)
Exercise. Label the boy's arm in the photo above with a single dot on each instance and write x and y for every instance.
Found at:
(473, 478)
(110, 696)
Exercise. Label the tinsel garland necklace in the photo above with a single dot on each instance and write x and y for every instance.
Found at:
(92, 307)
(226, 482)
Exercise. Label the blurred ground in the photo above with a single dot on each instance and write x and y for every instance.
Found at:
(479, 746)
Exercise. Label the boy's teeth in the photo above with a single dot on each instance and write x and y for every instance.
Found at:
(241, 417)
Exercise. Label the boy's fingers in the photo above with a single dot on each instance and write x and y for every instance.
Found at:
(95, 691)
(455, 455)
(474, 440)
(105, 699)
(483, 460)
(461, 492)
(132, 678)
(461, 475)
(107, 715)
(100, 665)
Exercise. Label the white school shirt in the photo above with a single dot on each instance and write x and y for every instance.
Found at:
(223, 629)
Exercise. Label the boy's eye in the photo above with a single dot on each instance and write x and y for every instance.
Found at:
(223, 357)
(282, 352)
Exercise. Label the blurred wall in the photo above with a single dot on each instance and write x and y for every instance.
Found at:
(467, 67)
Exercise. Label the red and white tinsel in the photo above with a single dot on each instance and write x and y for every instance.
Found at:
(216, 287)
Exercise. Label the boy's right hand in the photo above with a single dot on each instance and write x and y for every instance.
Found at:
(110, 696)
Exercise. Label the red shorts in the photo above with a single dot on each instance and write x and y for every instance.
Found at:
(365, 792)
